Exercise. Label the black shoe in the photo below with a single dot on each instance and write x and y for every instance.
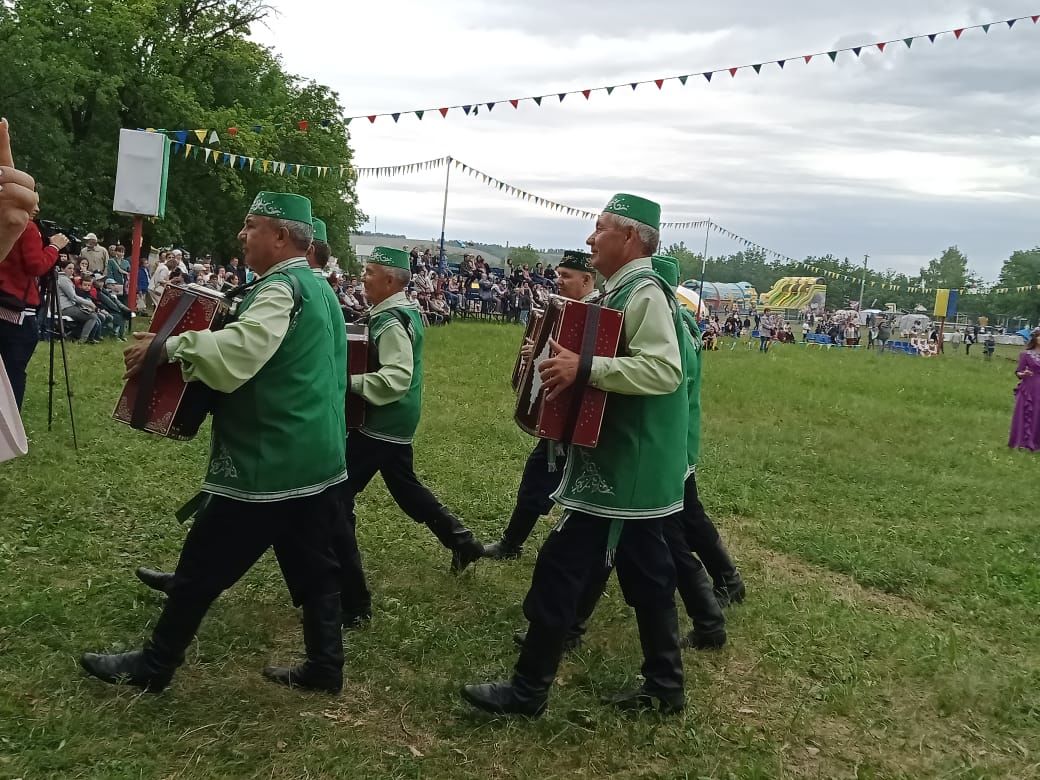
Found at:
(731, 592)
(465, 553)
(642, 700)
(528, 692)
(703, 640)
(353, 622)
(572, 642)
(156, 580)
(505, 698)
(133, 668)
(323, 640)
(503, 550)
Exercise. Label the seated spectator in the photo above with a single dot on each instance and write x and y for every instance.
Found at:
(107, 301)
(83, 312)
(439, 307)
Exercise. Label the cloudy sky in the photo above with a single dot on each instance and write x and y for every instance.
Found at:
(895, 155)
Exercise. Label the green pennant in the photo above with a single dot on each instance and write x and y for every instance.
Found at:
(682, 80)
(985, 28)
(909, 42)
(758, 68)
(346, 122)
(420, 114)
(610, 90)
(833, 55)
(537, 100)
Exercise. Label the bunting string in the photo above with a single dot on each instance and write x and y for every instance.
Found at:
(475, 108)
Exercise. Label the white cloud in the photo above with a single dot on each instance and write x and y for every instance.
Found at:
(897, 155)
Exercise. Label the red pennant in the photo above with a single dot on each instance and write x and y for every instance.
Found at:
(808, 58)
(372, 118)
(444, 112)
(957, 33)
(232, 131)
(1034, 18)
(586, 93)
(733, 72)
(303, 124)
(881, 47)
(514, 103)
(659, 82)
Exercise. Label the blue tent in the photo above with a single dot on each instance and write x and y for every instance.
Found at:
(1025, 333)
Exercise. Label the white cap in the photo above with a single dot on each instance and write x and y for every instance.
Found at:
(90, 237)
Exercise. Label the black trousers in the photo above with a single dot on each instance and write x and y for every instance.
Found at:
(573, 562)
(703, 537)
(367, 457)
(229, 536)
(17, 344)
(532, 497)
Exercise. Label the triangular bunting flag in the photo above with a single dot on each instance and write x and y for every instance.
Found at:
(610, 90)
(909, 42)
(659, 82)
(1034, 18)
(985, 28)
(881, 47)
(514, 103)
(932, 37)
(372, 118)
(420, 114)
(781, 63)
(201, 135)
(187, 150)
(682, 80)
(182, 136)
(707, 76)
(856, 50)
(346, 122)
(561, 96)
(1011, 23)
(833, 55)
(634, 84)
(251, 161)
(214, 138)
(586, 93)
(444, 112)
(958, 33)
(396, 117)
(733, 72)
(233, 160)
(758, 68)
(490, 106)
(808, 58)
(537, 100)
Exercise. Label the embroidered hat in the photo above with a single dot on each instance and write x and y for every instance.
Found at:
(577, 260)
(667, 268)
(635, 207)
(321, 232)
(282, 205)
(393, 258)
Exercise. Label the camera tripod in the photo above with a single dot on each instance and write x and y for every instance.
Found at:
(55, 326)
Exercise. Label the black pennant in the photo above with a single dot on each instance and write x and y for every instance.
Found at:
(467, 109)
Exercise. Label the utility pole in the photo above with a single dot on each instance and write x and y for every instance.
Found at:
(863, 281)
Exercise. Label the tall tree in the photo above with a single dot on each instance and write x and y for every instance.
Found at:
(1020, 270)
(76, 71)
(949, 270)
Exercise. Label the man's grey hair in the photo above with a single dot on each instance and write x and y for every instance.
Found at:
(400, 275)
(650, 237)
(300, 234)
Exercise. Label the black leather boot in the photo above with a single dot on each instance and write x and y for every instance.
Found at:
(521, 523)
(662, 665)
(709, 621)
(152, 667)
(729, 585)
(450, 532)
(156, 580)
(528, 692)
(730, 589)
(572, 641)
(323, 640)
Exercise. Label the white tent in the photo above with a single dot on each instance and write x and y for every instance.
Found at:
(692, 301)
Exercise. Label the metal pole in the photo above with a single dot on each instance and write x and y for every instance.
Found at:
(444, 214)
(704, 267)
(863, 281)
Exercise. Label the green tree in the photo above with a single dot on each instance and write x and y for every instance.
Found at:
(526, 254)
(949, 270)
(1020, 270)
(76, 71)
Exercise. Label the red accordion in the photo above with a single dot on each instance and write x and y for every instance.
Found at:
(575, 416)
(157, 399)
(357, 363)
(534, 322)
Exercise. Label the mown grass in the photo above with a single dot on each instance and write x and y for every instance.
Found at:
(887, 535)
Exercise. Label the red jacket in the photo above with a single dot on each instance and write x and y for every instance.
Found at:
(27, 260)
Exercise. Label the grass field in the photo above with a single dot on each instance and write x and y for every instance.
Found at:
(888, 537)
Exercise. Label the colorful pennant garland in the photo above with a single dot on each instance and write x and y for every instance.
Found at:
(472, 109)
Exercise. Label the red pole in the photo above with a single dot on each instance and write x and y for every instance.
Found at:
(135, 263)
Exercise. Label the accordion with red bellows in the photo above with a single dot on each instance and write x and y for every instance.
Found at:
(158, 399)
(534, 322)
(357, 363)
(575, 416)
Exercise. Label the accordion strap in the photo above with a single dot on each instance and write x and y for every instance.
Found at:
(588, 348)
(139, 417)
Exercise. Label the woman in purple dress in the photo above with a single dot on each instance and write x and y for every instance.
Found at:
(1025, 425)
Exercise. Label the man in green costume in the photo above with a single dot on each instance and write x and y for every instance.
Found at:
(319, 253)
(383, 445)
(616, 497)
(279, 372)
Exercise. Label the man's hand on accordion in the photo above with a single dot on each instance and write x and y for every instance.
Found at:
(133, 355)
(558, 372)
(527, 350)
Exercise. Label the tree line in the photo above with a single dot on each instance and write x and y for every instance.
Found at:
(76, 71)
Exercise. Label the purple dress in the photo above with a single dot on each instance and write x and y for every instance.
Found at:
(1025, 425)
